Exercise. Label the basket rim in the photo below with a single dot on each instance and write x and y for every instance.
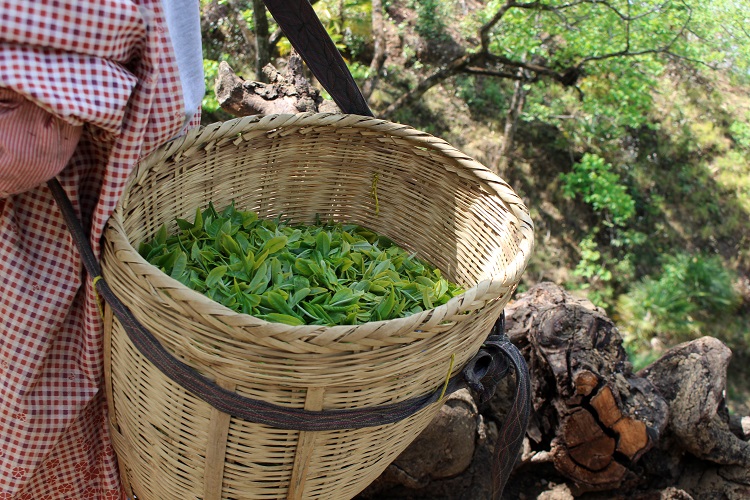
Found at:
(216, 134)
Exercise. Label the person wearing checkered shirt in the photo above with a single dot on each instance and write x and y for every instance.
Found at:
(86, 89)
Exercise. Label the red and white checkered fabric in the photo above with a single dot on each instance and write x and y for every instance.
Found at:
(109, 64)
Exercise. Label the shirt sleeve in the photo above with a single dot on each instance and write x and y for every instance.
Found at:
(183, 23)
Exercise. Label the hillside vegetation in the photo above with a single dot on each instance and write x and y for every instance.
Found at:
(625, 127)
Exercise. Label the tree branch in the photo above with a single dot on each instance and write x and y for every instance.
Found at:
(473, 70)
(482, 61)
(451, 69)
(567, 78)
(626, 51)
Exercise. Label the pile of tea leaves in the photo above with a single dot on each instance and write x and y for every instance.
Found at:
(325, 274)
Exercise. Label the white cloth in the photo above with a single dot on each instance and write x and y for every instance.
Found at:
(183, 21)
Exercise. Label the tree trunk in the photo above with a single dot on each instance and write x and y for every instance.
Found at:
(517, 102)
(262, 46)
(378, 58)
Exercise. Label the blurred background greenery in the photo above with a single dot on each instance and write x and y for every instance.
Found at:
(624, 126)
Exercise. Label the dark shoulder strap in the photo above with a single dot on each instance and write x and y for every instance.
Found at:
(307, 35)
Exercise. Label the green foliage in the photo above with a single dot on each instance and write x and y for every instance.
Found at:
(210, 72)
(690, 290)
(594, 181)
(326, 274)
(596, 276)
(721, 35)
(359, 71)
(590, 265)
(740, 131)
(431, 15)
(482, 94)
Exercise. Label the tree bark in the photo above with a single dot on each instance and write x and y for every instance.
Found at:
(517, 103)
(289, 93)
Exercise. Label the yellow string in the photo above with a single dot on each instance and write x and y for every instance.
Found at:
(96, 295)
(448, 376)
(374, 192)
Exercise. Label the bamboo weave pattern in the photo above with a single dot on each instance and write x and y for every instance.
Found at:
(431, 199)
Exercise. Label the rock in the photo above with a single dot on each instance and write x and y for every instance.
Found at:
(446, 446)
(598, 431)
(692, 378)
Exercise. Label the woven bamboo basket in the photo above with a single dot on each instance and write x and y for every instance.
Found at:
(403, 183)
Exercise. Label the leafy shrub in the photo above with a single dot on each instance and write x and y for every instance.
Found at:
(431, 19)
(740, 131)
(593, 179)
(691, 290)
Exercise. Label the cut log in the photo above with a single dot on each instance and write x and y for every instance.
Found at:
(586, 443)
(596, 415)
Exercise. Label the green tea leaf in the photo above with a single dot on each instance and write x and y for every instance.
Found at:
(275, 301)
(298, 296)
(282, 318)
(180, 264)
(427, 298)
(215, 276)
(277, 277)
(198, 223)
(325, 274)
(184, 225)
(303, 266)
(344, 297)
(229, 244)
(260, 280)
(274, 244)
(384, 309)
(323, 243)
(161, 235)
(249, 219)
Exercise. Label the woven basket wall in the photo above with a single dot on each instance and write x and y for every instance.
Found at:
(414, 188)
